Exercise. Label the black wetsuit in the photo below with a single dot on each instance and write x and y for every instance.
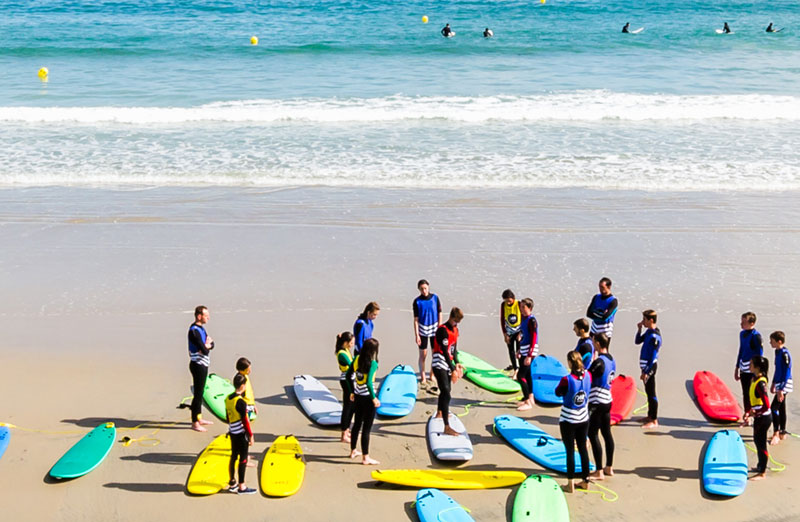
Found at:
(626, 28)
(446, 31)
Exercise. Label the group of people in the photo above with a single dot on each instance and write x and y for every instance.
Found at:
(448, 32)
(585, 390)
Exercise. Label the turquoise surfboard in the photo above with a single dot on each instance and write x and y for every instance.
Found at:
(546, 372)
(725, 464)
(5, 435)
(435, 506)
(86, 454)
(398, 392)
(214, 395)
(536, 444)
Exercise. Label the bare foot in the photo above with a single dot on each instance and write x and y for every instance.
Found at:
(252, 463)
(450, 431)
(196, 427)
(645, 420)
(569, 487)
(650, 425)
(759, 476)
(783, 435)
(525, 406)
(775, 440)
(597, 475)
(438, 415)
(583, 484)
(205, 422)
(355, 453)
(608, 471)
(369, 461)
(346, 436)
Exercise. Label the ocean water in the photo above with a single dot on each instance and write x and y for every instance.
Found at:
(350, 93)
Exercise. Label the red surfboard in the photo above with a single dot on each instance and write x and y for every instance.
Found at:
(715, 398)
(623, 393)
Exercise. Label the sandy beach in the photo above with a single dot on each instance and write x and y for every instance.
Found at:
(99, 286)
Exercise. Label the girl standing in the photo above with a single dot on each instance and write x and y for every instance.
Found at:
(344, 357)
(574, 420)
(760, 412)
(363, 368)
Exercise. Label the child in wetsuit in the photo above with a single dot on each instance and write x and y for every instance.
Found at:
(362, 372)
(574, 419)
(750, 345)
(446, 368)
(510, 323)
(240, 433)
(364, 325)
(760, 412)
(243, 368)
(781, 385)
(528, 349)
(427, 310)
(585, 346)
(648, 363)
(603, 371)
(344, 357)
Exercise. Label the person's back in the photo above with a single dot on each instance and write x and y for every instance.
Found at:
(488, 33)
(726, 28)
(626, 28)
(446, 31)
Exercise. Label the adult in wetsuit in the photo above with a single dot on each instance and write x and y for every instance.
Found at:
(602, 309)
(200, 344)
(626, 28)
(446, 31)
(574, 420)
(488, 33)
(725, 28)
(603, 371)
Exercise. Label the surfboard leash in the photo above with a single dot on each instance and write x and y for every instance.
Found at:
(148, 440)
(776, 470)
(49, 432)
(641, 408)
(483, 403)
(605, 492)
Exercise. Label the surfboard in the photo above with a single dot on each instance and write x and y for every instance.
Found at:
(546, 372)
(214, 394)
(725, 464)
(210, 471)
(449, 478)
(435, 506)
(86, 454)
(623, 395)
(449, 447)
(540, 499)
(637, 31)
(485, 375)
(283, 468)
(722, 31)
(535, 443)
(714, 397)
(398, 392)
(5, 437)
(317, 401)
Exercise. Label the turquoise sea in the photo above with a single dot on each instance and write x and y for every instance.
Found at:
(350, 93)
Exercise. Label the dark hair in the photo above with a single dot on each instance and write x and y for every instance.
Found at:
(342, 339)
(238, 380)
(242, 364)
(582, 324)
(369, 353)
(198, 310)
(778, 336)
(750, 316)
(575, 362)
(371, 307)
(528, 302)
(650, 314)
(602, 340)
(605, 281)
(761, 364)
(422, 282)
(456, 314)
(507, 293)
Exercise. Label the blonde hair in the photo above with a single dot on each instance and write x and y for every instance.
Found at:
(575, 362)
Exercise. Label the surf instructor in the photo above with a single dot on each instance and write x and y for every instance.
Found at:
(200, 344)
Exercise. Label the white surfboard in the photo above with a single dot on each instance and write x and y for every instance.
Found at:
(639, 30)
(721, 31)
(317, 400)
(449, 447)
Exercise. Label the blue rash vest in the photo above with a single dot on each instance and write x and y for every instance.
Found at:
(362, 331)
(750, 345)
(601, 385)
(427, 311)
(651, 342)
(782, 378)
(602, 311)
(576, 398)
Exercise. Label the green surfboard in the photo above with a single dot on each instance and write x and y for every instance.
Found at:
(216, 390)
(485, 375)
(86, 454)
(540, 499)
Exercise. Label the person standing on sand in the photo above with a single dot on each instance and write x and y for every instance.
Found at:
(362, 374)
(760, 412)
(585, 346)
(446, 368)
(781, 385)
(427, 317)
(528, 350)
(241, 435)
(603, 371)
(510, 323)
(574, 419)
(200, 344)
(364, 325)
(750, 345)
(344, 358)
(648, 363)
(602, 309)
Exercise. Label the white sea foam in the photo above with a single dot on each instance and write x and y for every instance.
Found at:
(576, 106)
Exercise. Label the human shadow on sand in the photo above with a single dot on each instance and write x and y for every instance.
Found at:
(146, 487)
(123, 424)
(167, 458)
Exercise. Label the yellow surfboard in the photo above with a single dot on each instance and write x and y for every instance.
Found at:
(449, 479)
(283, 468)
(210, 472)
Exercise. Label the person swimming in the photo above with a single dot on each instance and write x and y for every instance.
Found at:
(447, 32)
(626, 28)
(726, 28)
(488, 33)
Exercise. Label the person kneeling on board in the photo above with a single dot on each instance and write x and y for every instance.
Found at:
(445, 366)
(240, 433)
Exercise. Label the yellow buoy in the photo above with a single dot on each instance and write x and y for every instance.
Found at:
(43, 72)
(424, 19)
(254, 40)
(543, 1)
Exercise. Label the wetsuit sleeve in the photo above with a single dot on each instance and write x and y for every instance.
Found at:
(348, 378)
(441, 336)
(344, 359)
(438, 304)
(756, 343)
(561, 389)
(373, 369)
(197, 341)
(640, 337)
(739, 353)
(612, 307)
(358, 333)
(590, 312)
(502, 320)
(241, 408)
(597, 369)
(415, 308)
(761, 393)
(655, 342)
(533, 327)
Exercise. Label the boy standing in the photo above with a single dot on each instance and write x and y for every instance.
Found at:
(750, 345)
(243, 368)
(200, 344)
(648, 363)
(602, 310)
(427, 318)
(240, 433)
(510, 323)
(528, 349)
(781, 385)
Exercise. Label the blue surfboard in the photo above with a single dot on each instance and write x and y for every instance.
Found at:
(546, 372)
(725, 464)
(5, 435)
(398, 392)
(435, 506)
(536, 444)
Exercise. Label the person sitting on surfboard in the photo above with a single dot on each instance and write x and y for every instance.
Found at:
(771, 29)
(759, 410)
(241, 435)
(585, 346)
(603, 371)
(626, 28)
(602, 309)
(750, 345)
(243, 368)
(528, 349)
(446, 31)
(344, 345)
(726, 28)
(648, 363)
(446, 368)
(200, 344)
(427, 310)
(364, 325)
(488, 33)
(781, 385)
(574, 419)
(510, 323)
(362, 374)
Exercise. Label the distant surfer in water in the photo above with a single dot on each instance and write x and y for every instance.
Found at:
(447, 32)
(488, 33)
(726, 28)
(771, 29)
(626, 28)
